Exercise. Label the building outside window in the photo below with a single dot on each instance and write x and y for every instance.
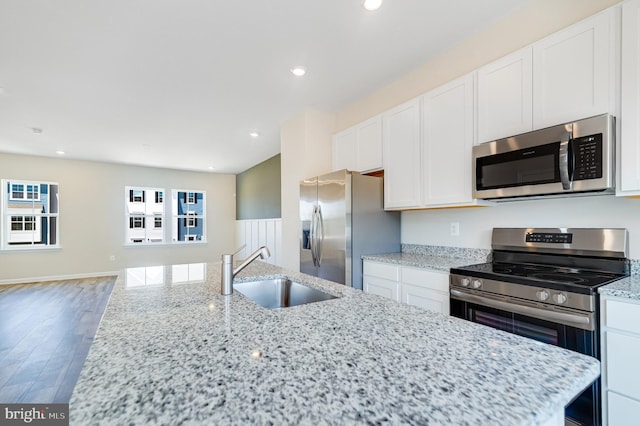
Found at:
(144, 212)
(188, 210)
(30, 212)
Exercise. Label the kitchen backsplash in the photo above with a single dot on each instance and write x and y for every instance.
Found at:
(479, 255)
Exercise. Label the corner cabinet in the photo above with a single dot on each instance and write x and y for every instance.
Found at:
(629, 141)
(575, 72)
(359, 148)
(428, 289)
(620, 367)
(401, 156)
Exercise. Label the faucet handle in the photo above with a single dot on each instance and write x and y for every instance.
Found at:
(242, 247)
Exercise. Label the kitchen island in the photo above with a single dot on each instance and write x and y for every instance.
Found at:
(173, 350)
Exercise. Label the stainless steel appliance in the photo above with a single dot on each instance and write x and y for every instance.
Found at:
(542, 284)
(343, 218)
(570, 158)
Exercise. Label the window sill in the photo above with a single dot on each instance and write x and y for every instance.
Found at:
(177, 243)
(30, 248)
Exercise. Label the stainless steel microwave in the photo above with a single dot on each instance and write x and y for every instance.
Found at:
(575, 157)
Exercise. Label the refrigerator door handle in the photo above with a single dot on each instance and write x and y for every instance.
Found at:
(312, 236)
(320, 239)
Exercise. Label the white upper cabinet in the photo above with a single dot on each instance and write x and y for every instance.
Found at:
(629, 140)
(359, 148)
(344, 150)
(447, 143)
(505, 96)
(401, 156)
(369, 145)
(574, 71)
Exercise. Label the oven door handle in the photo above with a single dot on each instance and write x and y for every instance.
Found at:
(577, 320)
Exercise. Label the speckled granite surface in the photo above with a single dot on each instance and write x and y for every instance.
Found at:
(627, 287)
(432, 257)
(174, 351)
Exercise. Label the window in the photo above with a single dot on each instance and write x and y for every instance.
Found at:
(144, 212)
(188, 210)
(30, 212)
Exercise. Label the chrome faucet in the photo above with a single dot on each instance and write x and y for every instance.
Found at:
(227, 267)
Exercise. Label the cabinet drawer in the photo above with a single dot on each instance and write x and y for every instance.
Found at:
(622, 315)
(382, 270)
(433, 280)
(622, 411)
(623, 368)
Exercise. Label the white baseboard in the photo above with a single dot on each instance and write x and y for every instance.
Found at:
(58, 278)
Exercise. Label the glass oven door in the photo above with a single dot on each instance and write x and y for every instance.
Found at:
(584, 410)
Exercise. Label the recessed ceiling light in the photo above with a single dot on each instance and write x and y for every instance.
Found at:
(372, 4)
(254, 134)
(60, 152)
(211, 168)
(298, 71)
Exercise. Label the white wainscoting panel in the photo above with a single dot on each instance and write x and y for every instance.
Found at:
(260, 232)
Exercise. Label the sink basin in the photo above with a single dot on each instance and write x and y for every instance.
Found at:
(280, 293)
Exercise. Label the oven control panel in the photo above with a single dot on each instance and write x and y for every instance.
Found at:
(547, 237)
(546, 296)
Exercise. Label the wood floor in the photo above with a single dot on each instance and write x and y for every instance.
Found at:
(45, 333)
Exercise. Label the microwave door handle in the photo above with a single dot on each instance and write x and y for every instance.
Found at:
(563, 165)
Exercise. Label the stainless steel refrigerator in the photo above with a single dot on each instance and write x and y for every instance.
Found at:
(343, 218)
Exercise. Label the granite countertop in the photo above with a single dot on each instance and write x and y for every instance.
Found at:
(172, 350)
(628, 288)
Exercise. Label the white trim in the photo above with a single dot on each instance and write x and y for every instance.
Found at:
(60, 278)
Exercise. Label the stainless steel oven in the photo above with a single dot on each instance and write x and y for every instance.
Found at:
(570, 158)
(542, 284)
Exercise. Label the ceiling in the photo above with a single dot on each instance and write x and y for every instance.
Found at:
(181, 84)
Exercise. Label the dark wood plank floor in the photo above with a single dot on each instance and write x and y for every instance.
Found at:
(46, 330)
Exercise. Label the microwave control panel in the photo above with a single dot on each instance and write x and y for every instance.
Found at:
(587, 154)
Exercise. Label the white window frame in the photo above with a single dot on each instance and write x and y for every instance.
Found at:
(142, 209)
(8, 211)
(189, 217)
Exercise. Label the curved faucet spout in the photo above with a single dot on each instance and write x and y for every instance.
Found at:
(228, 272)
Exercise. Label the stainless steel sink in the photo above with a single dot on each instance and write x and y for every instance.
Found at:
(280, 293)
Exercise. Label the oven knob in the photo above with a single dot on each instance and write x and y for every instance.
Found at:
(476, 284)
(559, 298)
(465, 282)
(542, 295)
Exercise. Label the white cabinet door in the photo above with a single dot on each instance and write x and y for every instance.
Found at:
(431, 300)
(622, 411)
(629, 141)
(344, 150)
(381, 287)
(623, 368)
(425, 288)
(382, 279)
(505, 96)
(447, 143)
(401, 147)
(574, 71)
(369, 145)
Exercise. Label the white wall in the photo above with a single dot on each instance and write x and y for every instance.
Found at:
(92, 218)
(431, 227)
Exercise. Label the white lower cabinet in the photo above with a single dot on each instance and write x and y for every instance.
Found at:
(620, 366)
(426, 288)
